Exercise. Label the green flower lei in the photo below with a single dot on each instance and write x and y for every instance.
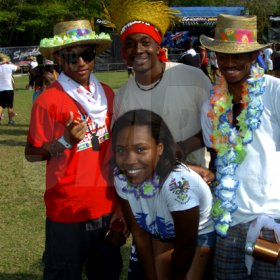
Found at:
(61, 40)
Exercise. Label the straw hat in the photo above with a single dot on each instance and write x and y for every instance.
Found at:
(234, 34)
(122, 12)
(74, 33)
(4, 58)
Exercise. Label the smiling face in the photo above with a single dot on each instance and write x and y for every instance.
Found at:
(141, 52)
(235, 67)
(137, 153)
(77, 62)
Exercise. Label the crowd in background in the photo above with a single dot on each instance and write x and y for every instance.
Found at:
(197, 56)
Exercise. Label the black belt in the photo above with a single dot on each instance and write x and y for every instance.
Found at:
(98, 223)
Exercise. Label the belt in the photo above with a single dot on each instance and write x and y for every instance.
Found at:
(98, 223)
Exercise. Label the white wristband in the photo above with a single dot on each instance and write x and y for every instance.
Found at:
(63, 142)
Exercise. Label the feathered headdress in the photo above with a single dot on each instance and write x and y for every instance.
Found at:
(121, 14)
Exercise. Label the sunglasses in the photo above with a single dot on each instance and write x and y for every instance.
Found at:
(72, 57)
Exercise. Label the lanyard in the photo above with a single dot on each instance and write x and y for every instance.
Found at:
(94, 138)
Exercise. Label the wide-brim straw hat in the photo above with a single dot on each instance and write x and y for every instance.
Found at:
(234, 34)
(119, 13)
(74, 33)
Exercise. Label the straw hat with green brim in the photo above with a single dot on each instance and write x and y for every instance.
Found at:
(233, 35)
(74, 33)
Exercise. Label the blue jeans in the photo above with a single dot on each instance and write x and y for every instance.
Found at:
(70, 247)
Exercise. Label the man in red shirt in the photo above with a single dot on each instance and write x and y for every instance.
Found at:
(70, 129)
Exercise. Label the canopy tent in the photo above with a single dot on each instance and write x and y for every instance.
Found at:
(206, 15)
(195, 21)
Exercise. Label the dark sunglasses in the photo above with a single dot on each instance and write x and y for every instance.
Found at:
(72, 57)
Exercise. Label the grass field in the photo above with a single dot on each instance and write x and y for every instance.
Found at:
(22, 184)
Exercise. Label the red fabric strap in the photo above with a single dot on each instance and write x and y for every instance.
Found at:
(142, 28)
(148, 29)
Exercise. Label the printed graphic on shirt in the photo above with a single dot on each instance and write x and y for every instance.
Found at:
(100, 131)
(180, 189)
(158, 228)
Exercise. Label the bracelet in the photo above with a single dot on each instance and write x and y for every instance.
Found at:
(63, 142)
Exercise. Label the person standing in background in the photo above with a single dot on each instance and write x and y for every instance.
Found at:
(214, 67)
(41, 76)
(190, 56)
(7, 86)
(276, 61)
(204, 61)
(268, 60)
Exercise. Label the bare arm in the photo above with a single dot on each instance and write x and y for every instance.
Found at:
(142, 241)
(191, 144)
(186, 230)
(207, 175)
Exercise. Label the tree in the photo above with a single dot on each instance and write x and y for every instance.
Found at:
(10, 13)
(25, 22)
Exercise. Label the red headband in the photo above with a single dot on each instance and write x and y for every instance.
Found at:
(145, 28)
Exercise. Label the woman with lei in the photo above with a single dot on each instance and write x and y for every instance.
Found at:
(167, 205)
(241, 126)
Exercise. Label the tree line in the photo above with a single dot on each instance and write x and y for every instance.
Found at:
(25, 22)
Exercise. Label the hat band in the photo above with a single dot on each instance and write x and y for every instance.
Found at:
(236, 35)
(76, 33)
(141, 27)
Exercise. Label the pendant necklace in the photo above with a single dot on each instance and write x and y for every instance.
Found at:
(152, 86)
(94, 138)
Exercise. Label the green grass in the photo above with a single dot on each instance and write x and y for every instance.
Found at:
(22, 184)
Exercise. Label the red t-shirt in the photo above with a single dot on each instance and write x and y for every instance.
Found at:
(79, 184)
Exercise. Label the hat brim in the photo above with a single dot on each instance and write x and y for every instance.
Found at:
(230, 47)
(101, 45)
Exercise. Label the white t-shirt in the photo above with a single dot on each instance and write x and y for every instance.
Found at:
(267, 58)
(267, 54)
(6, 75)
(213, 59)
(33, 64)
(182, 190)
(177, 99)
(259, 176)
(191, 51)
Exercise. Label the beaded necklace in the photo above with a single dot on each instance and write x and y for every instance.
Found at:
(229, 141)
(152, 86)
